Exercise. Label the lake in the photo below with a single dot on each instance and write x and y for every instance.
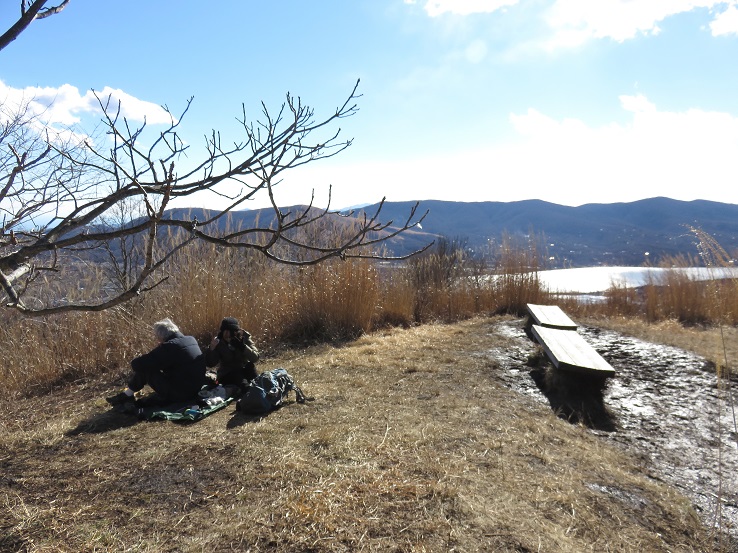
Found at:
(590, 280)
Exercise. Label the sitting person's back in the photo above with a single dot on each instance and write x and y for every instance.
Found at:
(181, 361)
(174, 369)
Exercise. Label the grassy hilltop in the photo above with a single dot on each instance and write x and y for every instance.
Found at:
(412, 444)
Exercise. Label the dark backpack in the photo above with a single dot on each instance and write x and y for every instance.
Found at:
(267, 392)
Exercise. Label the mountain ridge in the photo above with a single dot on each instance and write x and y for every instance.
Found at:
(624, 233)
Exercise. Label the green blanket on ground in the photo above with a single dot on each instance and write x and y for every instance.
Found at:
(190, 411)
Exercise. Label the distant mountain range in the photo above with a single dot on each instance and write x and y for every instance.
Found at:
(588, 235)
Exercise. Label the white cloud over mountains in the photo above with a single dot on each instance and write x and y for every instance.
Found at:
(682, 155)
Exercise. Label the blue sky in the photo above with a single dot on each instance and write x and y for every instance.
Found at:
(569, 101)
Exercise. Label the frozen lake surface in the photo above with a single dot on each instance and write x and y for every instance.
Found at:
(589, 280)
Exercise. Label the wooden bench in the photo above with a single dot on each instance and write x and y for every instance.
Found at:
(549, 316)
(568, 351)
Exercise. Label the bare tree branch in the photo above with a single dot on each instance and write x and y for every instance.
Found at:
(30, 11)
(57, 197)
(53, 10)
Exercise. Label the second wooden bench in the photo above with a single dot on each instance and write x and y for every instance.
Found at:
(549, 316)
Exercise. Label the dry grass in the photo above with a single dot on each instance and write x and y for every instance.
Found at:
(675, 294)
(712, 343)
(333, 301)
(411, 444)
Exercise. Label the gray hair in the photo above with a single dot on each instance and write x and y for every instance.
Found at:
(165, 329)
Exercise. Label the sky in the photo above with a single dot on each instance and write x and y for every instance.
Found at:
(567, 101)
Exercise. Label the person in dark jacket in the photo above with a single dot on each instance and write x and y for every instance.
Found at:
(174, 369)
(234, 352)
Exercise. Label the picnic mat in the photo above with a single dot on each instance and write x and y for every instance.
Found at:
(188, 411)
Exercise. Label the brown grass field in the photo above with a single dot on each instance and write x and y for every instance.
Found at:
(411, 444)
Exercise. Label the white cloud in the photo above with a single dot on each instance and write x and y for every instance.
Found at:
(576, 21)
(683, 155)
(435, 8)
(726, 23)
(133, 108)
(65, 105)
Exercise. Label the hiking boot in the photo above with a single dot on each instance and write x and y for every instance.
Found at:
(128, 408)
(152, 400)
(119, 399)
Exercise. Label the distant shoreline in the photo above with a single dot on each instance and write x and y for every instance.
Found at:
(590, 280)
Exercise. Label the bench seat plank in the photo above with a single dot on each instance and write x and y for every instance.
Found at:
(550, 316)
(567, 350)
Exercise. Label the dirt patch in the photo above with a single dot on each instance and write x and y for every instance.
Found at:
(664, 404)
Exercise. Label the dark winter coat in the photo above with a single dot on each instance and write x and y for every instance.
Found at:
(174, 368)
(235, 360)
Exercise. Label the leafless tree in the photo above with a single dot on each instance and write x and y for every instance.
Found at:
(57, 189)
(30, 10)
(124, 253)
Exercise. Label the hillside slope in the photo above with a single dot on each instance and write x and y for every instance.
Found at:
(588, 235)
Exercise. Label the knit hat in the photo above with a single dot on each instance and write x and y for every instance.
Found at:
(229, 323)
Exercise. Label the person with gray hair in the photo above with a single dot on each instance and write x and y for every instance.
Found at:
(174, 369)
(164, 329)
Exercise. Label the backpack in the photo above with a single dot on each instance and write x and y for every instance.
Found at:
(267, 392)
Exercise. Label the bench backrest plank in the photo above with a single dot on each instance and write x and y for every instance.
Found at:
(550, 316)
(568, 350)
